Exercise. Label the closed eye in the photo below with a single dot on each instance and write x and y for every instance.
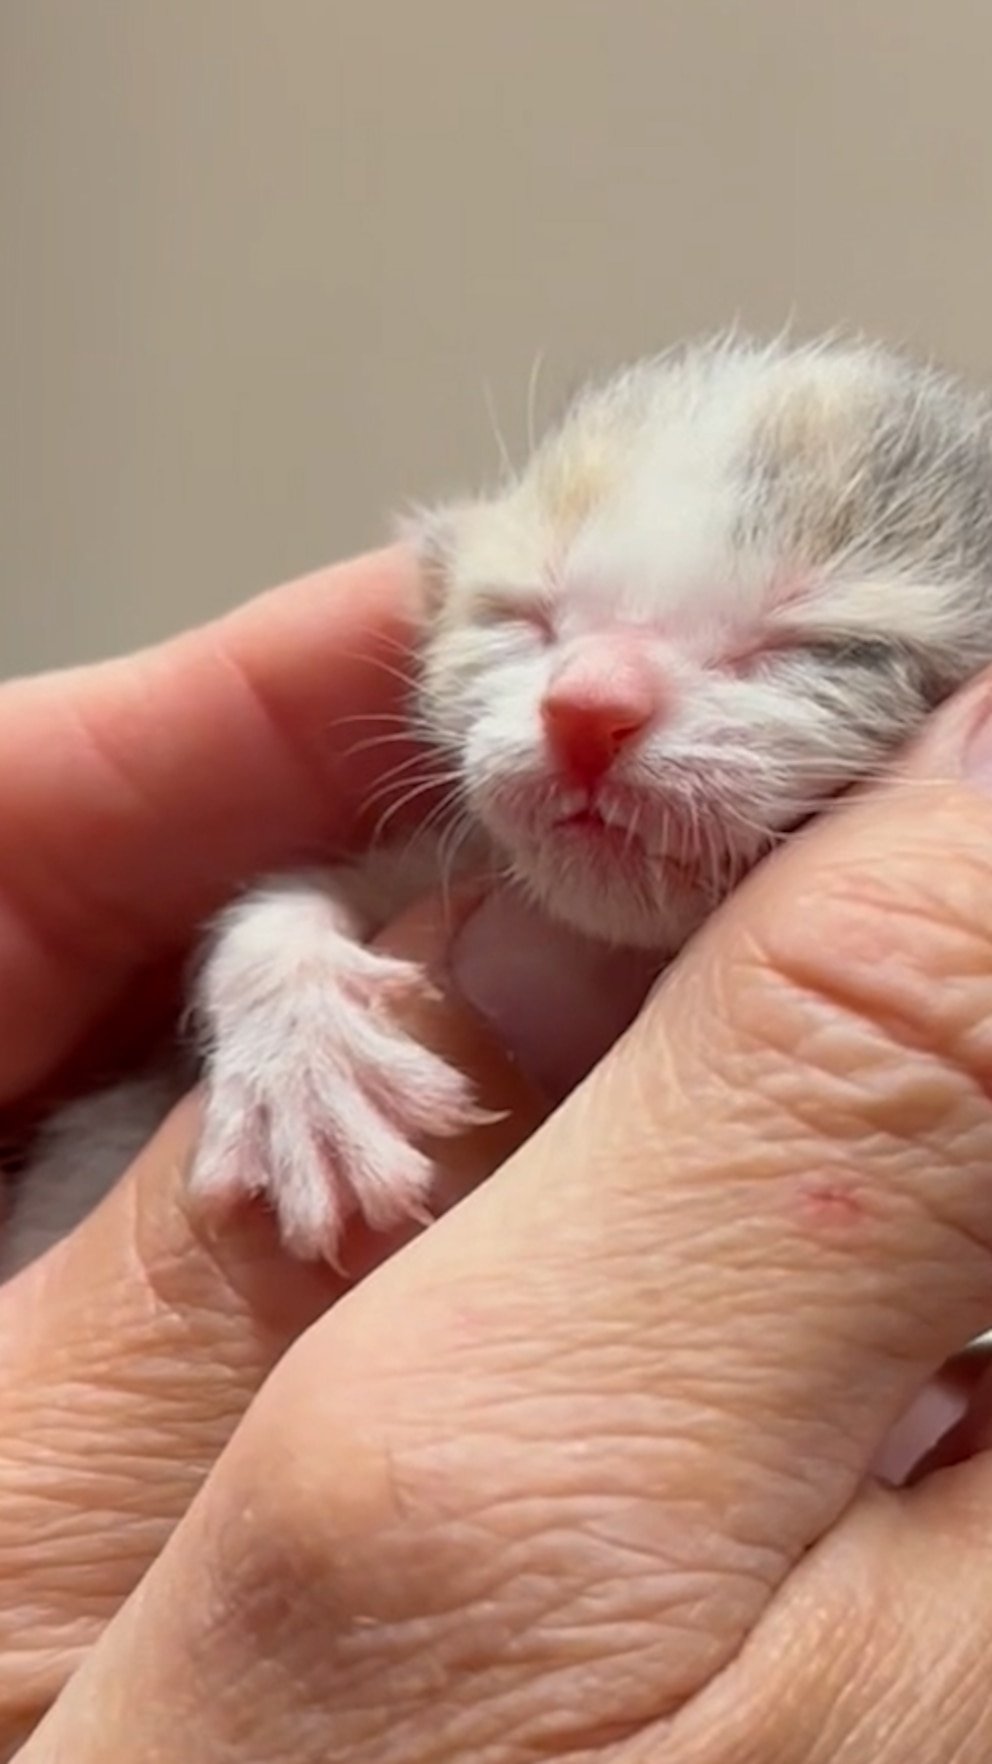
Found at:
(840, 652)
(853, 652)
(495, 608)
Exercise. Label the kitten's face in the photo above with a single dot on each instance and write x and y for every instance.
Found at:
(727, 586)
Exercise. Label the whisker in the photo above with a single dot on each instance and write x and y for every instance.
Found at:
(403, 737)
(370, 717)
(434, 773)
(387, 787)
(387, 640)
(366, 658)
(437, 815)
(711, 863)
(505, 460)
(411, 795)
(452, 843)
(532, 389)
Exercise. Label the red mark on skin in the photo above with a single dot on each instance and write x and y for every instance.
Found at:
(830, 1204)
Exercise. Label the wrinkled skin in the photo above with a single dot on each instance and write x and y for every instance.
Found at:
(584, 1472)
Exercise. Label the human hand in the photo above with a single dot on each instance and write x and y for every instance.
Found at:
(584, 1473)
(135, 797)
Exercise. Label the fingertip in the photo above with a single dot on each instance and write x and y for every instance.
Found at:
(151, 1275)
(149, 788)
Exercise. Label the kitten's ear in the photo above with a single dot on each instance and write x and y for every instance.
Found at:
(432, 535)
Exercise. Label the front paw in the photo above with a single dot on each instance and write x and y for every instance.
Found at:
(318, 1100)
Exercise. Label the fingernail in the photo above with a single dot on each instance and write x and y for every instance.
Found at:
(936, 1410)
(977, 752)
(554, 1000)
(957, 741)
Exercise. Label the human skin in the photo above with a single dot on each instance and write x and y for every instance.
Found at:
(582, 1472)
(144, 792)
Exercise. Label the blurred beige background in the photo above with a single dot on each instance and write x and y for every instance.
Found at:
(262, 257)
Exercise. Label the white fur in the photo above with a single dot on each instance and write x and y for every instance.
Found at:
(748, 504)
(315, 1098)
(750, 512)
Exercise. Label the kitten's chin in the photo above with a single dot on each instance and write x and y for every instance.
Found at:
(631, 911)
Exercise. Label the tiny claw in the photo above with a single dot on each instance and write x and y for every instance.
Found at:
(423, 1215)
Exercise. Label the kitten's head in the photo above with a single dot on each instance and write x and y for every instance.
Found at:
(727, 585)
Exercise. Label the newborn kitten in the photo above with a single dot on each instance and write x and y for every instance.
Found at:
(730, 582)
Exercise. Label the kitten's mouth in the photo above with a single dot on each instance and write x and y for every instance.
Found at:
(593, 821)
(607, 830)
(623, 837)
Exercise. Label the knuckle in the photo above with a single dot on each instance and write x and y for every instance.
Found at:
(822, 1675)
(892, 933)
(306, 1488)
(848, 1026)
(873, 998)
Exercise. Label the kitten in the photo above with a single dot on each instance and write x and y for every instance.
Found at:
(730, 582)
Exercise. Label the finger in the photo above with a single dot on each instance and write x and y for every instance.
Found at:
(969, 1430)
(933, 1417)
(145, 790)
(127, 1356)
(875, 1648)
(609, 1403)
(129, 1353)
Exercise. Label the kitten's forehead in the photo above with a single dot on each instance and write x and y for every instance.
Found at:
(744, 473)
(742, 427)
(708, 488)
(666, 532)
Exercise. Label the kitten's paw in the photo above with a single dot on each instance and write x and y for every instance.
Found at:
(317, 1099)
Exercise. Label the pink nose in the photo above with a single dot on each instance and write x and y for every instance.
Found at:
(604, 693)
